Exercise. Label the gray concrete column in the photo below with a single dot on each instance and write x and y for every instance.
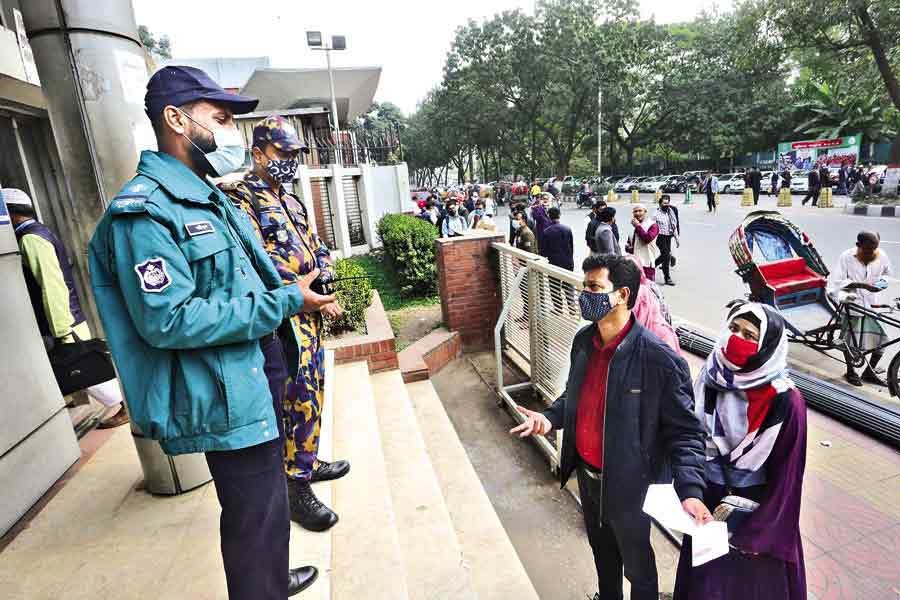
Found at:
(94, 72)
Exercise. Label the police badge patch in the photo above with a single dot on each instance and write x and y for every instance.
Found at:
(153, 275)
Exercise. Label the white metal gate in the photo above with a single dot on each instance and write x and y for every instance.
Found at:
(537, 324)
(354, 210)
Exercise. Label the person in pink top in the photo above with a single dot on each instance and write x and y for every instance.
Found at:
(650, 309)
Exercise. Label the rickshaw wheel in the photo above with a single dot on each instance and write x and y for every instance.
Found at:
(893, 376)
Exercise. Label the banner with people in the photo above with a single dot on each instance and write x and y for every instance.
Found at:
(832, 153)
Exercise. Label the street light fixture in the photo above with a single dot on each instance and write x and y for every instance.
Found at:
(338, 42)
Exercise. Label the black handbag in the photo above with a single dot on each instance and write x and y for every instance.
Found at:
(81, 364)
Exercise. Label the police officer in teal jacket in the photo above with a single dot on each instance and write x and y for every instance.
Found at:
(189, 301)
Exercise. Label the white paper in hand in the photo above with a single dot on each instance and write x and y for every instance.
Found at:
(709, 541)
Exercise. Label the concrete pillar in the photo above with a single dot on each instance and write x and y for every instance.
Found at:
(93, 73)
(402, 174)
(339, 211)
(303, 188)
(367, 193)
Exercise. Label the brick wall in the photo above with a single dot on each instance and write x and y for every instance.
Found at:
(469, 286)
(377, 346)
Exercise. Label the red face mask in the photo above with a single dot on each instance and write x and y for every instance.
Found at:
(739, 351)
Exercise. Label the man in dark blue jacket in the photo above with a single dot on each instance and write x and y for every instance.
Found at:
(558, 246)
(628, 420)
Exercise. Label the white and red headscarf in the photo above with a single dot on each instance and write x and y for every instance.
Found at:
(739, 404)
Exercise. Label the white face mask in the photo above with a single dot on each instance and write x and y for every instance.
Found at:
(228, 156)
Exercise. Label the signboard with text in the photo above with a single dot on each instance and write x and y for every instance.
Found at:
(806, 154)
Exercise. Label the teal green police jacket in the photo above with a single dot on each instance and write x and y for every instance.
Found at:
(185, 291)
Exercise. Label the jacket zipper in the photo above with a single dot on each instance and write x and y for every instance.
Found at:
(605, 405)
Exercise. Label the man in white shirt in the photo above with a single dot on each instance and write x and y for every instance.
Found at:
(860, 276)
(454, 224)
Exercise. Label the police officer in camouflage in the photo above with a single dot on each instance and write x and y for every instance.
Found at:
(189, 301)
(282, 225)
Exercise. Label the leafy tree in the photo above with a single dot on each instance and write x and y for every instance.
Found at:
(845, 30)
(161, 47)
(834, 110)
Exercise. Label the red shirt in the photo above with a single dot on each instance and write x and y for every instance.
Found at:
(591, 403)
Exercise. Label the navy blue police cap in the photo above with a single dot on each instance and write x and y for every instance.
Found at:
(177, 85)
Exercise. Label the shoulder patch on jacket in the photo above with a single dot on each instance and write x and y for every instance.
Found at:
(133, 196)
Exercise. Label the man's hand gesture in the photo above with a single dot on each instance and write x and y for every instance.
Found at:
(535, 423)
(312, 302)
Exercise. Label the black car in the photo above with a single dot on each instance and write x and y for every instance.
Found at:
(680, 184)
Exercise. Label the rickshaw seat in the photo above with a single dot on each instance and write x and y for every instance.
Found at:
(790, 275)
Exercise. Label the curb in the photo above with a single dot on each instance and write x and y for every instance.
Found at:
(870, 210)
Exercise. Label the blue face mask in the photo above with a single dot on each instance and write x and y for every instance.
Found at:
(594, 307)
(227, 155)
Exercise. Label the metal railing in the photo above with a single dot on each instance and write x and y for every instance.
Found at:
(537, 324)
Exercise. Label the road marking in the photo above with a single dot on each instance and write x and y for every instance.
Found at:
(887, 242)
(707, 224)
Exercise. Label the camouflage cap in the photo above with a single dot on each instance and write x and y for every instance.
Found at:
(280, 133)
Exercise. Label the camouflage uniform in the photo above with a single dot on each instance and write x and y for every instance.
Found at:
(280, 221)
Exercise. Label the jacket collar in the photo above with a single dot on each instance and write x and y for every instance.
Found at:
(174, 176)
(585, 338)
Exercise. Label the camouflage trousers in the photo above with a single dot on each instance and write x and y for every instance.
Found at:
(303, 399)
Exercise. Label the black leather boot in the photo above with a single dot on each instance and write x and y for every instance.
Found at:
(301, 578)
(306, 508)
(327, 471)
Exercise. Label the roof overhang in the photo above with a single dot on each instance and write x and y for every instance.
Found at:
(279, 89)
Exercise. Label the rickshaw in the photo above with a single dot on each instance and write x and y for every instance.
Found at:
(783, 269)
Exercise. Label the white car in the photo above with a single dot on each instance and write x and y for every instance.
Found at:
(732, 184)
(652, 185)
(623, 184)
(799, 182)
(765, 184)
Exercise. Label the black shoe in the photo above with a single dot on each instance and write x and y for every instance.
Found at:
(672, 261)
(306, 509)
(328, 471)
(301, 578)
(870, 377)
(853, 379)
(669, 282)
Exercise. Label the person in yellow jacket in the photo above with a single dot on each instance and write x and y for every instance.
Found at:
(281, 224)
(51, 287)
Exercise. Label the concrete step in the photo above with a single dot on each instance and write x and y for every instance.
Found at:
(432, 557)
(495, 568)
(309, 547)
(367, 560)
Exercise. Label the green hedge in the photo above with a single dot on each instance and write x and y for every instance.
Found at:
(409, 245)
(354, 296)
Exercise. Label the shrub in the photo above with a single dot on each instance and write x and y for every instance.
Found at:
(354, 296)
(409, 245)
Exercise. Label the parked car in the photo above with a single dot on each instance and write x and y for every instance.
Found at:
(636, 184)
(732, 183)
(765, 184)
(653, 184)
(799, 182)
(679, 184)
(622, 184)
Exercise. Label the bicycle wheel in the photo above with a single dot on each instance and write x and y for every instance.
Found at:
(893, 376)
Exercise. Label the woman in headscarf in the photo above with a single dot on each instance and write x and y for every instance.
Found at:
(651, 311)
(755, 457)
(643, 242)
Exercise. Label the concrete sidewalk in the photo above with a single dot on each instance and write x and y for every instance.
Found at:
(850, 517)
(102, 536)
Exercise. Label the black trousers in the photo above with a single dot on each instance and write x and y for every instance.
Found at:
(812, 193)
(664, 243)
(755, 189)
(711, 201)
(255, 523)
(618, 542)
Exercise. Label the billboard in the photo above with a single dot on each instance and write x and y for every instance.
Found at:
(806, 154)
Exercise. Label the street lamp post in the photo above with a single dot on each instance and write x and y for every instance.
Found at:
(338, 42)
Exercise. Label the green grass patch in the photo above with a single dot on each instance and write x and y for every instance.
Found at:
(383, 279)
